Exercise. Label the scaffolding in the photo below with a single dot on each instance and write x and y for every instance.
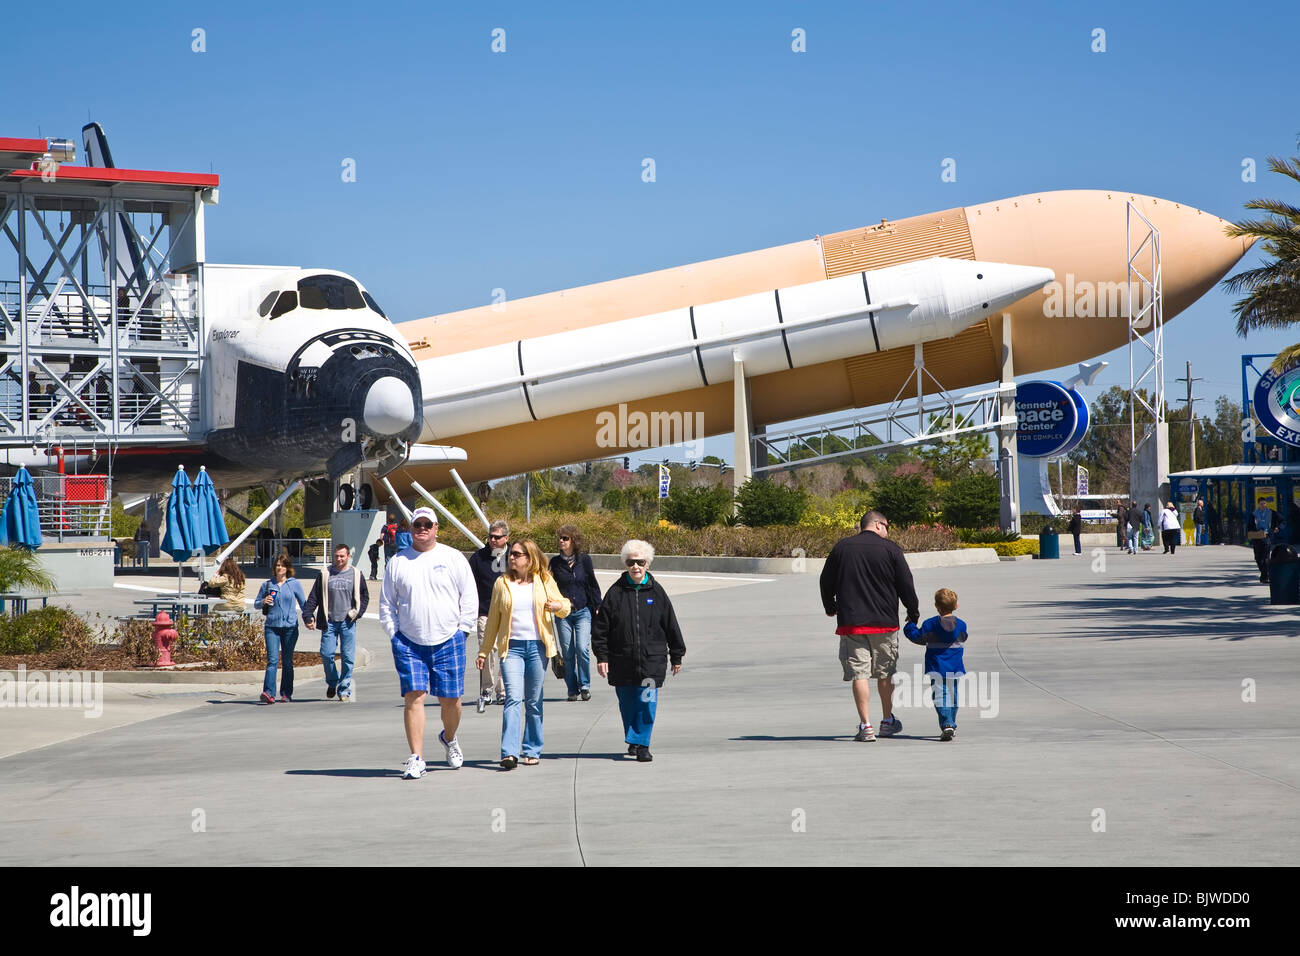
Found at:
(101, 305)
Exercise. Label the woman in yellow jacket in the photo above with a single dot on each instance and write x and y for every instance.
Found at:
(520, 625)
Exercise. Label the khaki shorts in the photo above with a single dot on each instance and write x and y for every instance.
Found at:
(869, 655)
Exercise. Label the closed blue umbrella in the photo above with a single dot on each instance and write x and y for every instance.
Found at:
(211, 526)
(179, 538)
(21, 521)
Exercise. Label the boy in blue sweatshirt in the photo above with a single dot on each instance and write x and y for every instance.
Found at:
(943, 637)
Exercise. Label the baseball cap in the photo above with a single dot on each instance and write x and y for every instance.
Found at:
(428, 513)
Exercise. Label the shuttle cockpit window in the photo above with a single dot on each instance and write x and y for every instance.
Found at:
(329, 292)
(265, 307)
(287, 302)
(370, 301)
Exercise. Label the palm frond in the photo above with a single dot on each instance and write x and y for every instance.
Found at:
(1285, 357)
(21, 569)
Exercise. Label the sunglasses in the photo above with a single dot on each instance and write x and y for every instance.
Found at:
(564, 537)
(518, 554)
(497, 537)
(636, 562)
(422, 526)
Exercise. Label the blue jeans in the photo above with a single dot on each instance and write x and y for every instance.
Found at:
(1133, 539)
(574, 635)
(1202, 534)
(344, 634)
(637, 706)
(945, 699)
(523, 670)
(280, 641)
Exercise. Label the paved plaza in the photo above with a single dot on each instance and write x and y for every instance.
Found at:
(1136, 710)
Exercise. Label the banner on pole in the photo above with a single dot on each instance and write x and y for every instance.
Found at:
(1081, 481)
(664, 480)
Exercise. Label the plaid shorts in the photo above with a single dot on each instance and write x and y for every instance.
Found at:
(438, 669)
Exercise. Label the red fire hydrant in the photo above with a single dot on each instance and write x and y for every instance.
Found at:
(164, 635)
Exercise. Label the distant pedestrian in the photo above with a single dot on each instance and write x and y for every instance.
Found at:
(487, 564)
(1121, 527)
(576, 577)
(521, 627)
(389, 534)
(864, 579)
(1076, 528)
(373, 554)
(427, 606)
(338, 599)
(1170, 532)
(942, 637)
(1133, 527)
(403, 536)
(143, 542)
(1199, 527)
(1263, 524)
(635, 638)
(280, 599)
(1148, 528)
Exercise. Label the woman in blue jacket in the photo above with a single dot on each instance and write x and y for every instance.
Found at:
(281, 600)
(573, 572)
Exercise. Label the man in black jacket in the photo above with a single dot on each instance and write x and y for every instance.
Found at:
(864, 578)
(487, 564)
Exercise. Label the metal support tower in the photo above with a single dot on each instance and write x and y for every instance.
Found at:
(1146, 330)
(101, 308)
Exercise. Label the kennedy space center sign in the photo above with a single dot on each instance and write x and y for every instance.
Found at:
(1052, 419)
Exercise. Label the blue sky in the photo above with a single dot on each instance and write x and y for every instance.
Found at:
(521, 170)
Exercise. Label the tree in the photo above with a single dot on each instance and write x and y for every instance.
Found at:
(903, 499)
(1272, 290)
(697, 507)
(972, 501)
(950, 459)
(761, 503)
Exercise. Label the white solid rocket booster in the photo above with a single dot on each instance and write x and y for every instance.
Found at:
(688, 348)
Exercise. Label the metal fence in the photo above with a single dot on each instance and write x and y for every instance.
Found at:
(70, 506)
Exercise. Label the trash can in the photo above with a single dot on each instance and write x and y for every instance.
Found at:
(1283, 575)
(1049, 544)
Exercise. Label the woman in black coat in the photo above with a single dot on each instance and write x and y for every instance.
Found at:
(1076, 526)
(635, 637)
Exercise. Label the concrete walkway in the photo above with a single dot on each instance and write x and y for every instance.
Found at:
(1114, 732)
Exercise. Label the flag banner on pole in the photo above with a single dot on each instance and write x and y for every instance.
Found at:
(664, 479)
(1082, 480)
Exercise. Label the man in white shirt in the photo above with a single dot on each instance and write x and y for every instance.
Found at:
(428, 605)
(1170, 529)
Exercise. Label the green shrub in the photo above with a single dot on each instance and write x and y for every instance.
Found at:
(903, 499)
(763, 503)
(697, 507)
(1009, 549)
(986, 535)
(49, 630)
(972, 501)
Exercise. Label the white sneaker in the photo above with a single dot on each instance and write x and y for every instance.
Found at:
(454, 757)
(414, 768)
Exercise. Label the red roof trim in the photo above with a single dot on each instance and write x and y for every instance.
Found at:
(149, 176)
(10, 145)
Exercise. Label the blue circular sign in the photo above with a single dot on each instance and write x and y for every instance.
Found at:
(1081, 428)
(1277, 403)
(1047, 416)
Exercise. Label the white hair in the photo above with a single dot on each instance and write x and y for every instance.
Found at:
(644, 548)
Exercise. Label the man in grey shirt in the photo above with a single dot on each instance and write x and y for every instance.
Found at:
(338, 599)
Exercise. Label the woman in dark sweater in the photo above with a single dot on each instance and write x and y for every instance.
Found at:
(573, 572)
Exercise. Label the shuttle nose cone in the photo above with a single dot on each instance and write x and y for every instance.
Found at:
(389, 407)
(1000, 284)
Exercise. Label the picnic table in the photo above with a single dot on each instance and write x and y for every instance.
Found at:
(179, 604)
(17, 600)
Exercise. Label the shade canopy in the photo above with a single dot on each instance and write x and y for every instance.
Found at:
(21, 520)
(180, 538)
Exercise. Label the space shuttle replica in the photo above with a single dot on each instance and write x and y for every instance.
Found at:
(122, 347)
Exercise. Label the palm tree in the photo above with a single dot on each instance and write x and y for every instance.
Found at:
(21, 569)
(1272, 299)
